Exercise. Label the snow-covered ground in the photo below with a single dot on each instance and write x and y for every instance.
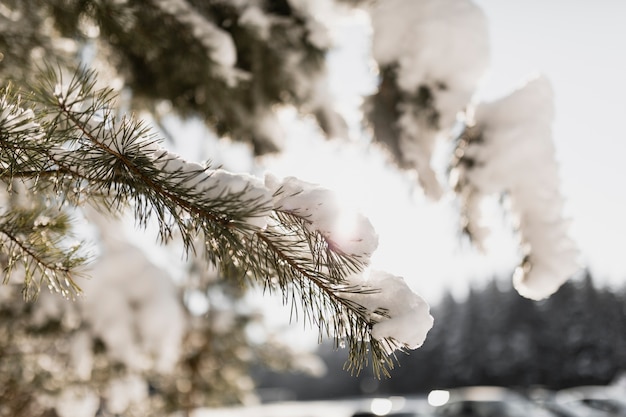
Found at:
(330, 408)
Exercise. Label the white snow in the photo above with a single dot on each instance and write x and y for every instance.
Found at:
(81, 354)
(15, 119)
(433, 41)
(516, 156)
(318, 15)
(268, 129)
(216, 184)
(77, 402)
(125, 392)
(407, 318)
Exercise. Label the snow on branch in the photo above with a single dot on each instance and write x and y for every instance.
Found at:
(507, 148)
(400, 318)
(317, 15)
(20, 134)
(431, 55)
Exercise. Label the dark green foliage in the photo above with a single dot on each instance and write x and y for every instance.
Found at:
(161, 58)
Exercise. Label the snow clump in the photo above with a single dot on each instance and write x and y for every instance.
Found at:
(512, 152)
(131, 321)
(401, 317)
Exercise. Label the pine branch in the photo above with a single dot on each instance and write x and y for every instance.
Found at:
(92, 156)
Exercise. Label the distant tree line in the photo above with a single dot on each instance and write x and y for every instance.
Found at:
(496, 337)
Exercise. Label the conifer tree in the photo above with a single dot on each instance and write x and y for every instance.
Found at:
(76, 73)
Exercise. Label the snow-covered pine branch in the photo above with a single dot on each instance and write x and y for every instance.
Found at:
(284, 234)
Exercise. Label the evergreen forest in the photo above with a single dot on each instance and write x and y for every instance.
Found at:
(496, 337)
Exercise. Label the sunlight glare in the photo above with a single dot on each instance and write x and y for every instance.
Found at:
(346, 225)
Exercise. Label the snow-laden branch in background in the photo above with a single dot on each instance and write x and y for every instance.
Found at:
(131, 320)
(317, 15)
(432, 55)
(126, 305)
(136, 311)
(218, 42)
(318, 18)
(507, 149)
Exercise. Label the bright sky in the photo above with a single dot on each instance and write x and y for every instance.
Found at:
(579, 46)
